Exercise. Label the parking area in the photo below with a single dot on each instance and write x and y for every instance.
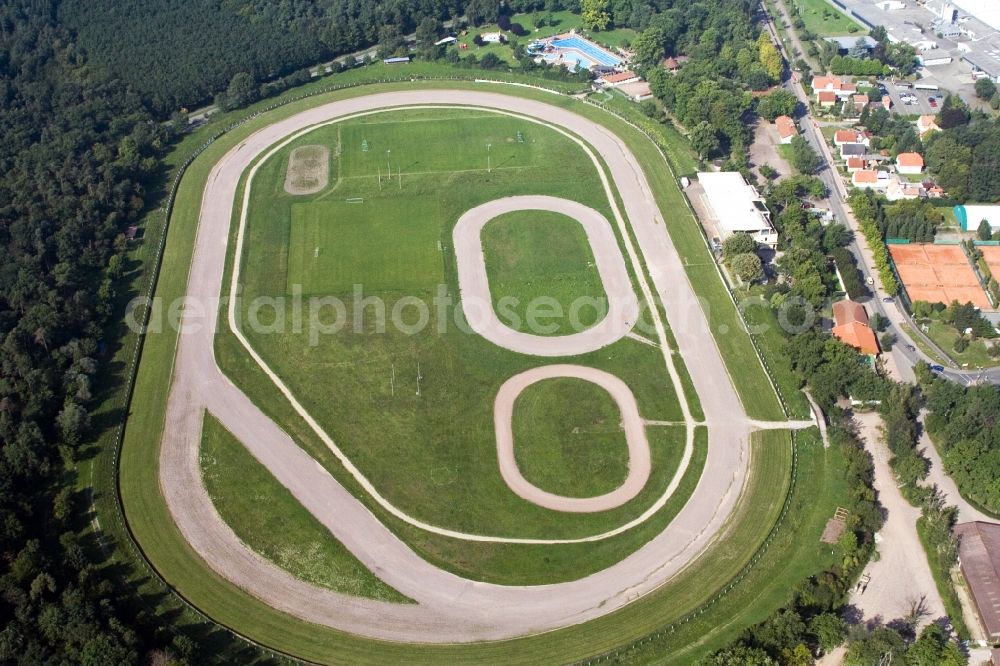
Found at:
(907, 100)
(938, 274)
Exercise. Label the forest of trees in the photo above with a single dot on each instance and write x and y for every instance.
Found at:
(710, 95)
(79, 151)
(965, 425)
(964, 158)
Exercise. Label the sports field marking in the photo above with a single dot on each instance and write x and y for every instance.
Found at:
(635, 437)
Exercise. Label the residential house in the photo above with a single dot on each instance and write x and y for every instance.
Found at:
(826, 98)
(856, 164)
(926, 124)
(853, 150)
(841, 89)
(902, 189)
(869, 179)
(671, 64)
(786, 129)
(860, 102)
(840, 137)
(909, 163)
(851, 327)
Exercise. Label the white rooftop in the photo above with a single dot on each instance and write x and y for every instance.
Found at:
(736, 203)
(987, 11)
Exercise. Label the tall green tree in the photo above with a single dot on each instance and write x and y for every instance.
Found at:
(595, 14)
(704, 139)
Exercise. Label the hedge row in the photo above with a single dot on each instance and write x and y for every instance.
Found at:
(864, 210)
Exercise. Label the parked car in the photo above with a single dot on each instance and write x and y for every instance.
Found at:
(870, 280)
(911, 348)
(887, 299)
(937, 368)
(932, 102)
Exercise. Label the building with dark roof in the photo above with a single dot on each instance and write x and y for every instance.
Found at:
(979, 557)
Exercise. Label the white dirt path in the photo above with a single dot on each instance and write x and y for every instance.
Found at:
(474, 286)
(901, 578)
(448, 608)
(632, 425)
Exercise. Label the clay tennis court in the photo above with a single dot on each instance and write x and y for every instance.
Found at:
(938, 274)
(991, 255)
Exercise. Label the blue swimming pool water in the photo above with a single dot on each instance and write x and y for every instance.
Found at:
(594, 53)
(570, 58)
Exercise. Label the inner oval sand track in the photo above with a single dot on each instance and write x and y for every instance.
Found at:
(474, 286)
(632, 424)
(448, 608)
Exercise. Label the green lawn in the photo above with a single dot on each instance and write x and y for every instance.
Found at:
(824, 19)
(420, 446)
(534, 255)
(975, 355)
(727, 327)
(568, 438)
(267, 518)
(753, 597)
(380, 244)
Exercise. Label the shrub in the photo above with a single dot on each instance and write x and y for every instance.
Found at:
(738, 243)
(747, 266)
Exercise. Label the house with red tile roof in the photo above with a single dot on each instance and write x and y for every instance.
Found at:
(869, 179)
(909, 163)
(826, 98)
(851, 327)
(619, 78)
(840, 137)
(927, 124)
(860, 102)
(856, 164)
(786, 128)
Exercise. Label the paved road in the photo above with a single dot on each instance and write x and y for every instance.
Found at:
(474, 285)
(632, 424)
(448, 608)
(893, 310)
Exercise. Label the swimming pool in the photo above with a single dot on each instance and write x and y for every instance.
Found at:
(594, 53)
(570, 59)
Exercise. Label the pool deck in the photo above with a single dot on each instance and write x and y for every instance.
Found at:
(581, 56)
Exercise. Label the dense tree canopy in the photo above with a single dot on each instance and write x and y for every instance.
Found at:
(965, 158)
(154, 48)
(965, 424)
(78, 150)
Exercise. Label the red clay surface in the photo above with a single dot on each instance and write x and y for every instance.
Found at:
(991, 255)
(938, 273)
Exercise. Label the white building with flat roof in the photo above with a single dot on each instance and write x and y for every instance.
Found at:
(737, 206)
